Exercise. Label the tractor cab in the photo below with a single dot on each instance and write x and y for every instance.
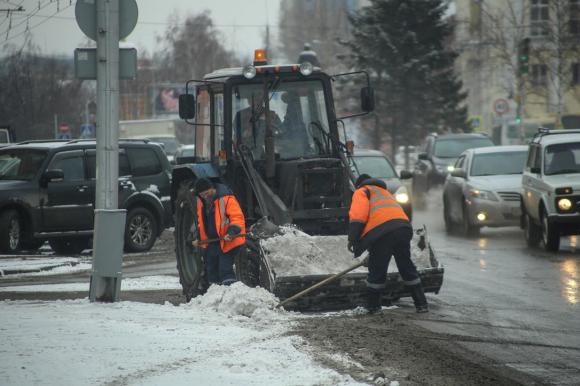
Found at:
(270, 131)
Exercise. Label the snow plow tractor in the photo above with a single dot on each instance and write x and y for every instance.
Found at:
(270, 132)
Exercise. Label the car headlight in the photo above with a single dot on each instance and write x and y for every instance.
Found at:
(401, 195)
(482, 194)
(564, 204)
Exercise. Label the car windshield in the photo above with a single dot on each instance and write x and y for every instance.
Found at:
(492, 164)
(562, 158)
(20, 164)
(297, 116)
(453, 147)
(375, 166)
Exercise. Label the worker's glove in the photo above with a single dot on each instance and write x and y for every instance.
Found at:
(350, 246)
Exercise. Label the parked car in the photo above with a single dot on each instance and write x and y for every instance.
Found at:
(438, 157)
(47, 192)
(484, 189)
(377, 165)
(551, 188)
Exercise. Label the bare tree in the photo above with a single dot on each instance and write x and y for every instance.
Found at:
(34, 90)
(193, 47)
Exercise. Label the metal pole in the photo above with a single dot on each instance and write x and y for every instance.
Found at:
(107, 104)
(109, 220)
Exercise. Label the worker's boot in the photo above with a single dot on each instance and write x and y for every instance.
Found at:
(373, 300)
(419, 298)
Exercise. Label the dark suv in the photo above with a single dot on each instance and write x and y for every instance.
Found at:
(438, 157)
(47, 192)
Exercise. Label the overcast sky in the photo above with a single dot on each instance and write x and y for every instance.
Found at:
(55, 31)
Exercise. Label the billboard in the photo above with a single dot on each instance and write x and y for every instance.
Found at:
(165, 98)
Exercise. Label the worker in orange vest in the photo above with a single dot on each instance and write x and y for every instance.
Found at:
(219, 217)
(379, 224)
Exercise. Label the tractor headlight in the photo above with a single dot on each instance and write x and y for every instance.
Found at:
(306, 68)
(564, 204)
(401, 195)
(482, 194)
(249, 71)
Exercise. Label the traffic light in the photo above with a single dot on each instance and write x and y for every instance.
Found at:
(524, 56)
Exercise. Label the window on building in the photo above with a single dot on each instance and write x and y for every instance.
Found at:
(574, 17)
(539, 75)
(539, 17)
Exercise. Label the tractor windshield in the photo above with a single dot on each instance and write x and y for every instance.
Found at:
(297, 116)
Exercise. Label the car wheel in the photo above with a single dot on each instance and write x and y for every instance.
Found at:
(447, 217)
(69, 245)
(10, 232)
(468, 229)
(532, 232)
(141, 230)
(550, 235)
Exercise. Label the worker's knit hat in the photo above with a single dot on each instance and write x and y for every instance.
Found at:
(202, 185)
(362, 178)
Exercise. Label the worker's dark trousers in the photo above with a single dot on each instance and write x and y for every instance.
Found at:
(220, 265)
(396, 243)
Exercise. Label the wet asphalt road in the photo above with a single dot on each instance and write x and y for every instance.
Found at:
(517, 305)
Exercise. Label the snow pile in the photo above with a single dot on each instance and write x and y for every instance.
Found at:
(295, 253)
(238, 299)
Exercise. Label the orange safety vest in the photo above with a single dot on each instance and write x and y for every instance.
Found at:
(227, 212)
(374, 206)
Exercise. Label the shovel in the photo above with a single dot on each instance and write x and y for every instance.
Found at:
(219, 239)
(332, 278)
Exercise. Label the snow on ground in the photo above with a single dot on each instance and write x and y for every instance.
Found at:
(40, 266)
(230, 336)
(294, 252)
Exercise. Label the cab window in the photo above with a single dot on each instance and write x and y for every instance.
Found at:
(203, 130)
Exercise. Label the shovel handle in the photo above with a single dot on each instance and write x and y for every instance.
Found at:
(323, 282)
(220, 238)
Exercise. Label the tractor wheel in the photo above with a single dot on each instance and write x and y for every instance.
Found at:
(10, 232)
(190, 261)
(69, 245)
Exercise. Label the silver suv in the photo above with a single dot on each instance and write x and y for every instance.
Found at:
(551, 188)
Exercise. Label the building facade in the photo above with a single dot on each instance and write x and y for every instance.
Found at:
(520, 62)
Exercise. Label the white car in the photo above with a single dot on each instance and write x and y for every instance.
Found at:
(551, 188)
(483, 189)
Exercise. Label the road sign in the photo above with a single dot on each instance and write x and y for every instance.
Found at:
(86, 15)
(501, 106)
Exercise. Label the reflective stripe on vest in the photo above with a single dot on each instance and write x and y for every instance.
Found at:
(380, 196)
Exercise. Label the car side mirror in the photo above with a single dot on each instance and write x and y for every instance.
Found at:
(422, 156)
(367, 97)
(405, 175)
(186, 106)
(54, 175)
(535, 170)
(460, 173)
